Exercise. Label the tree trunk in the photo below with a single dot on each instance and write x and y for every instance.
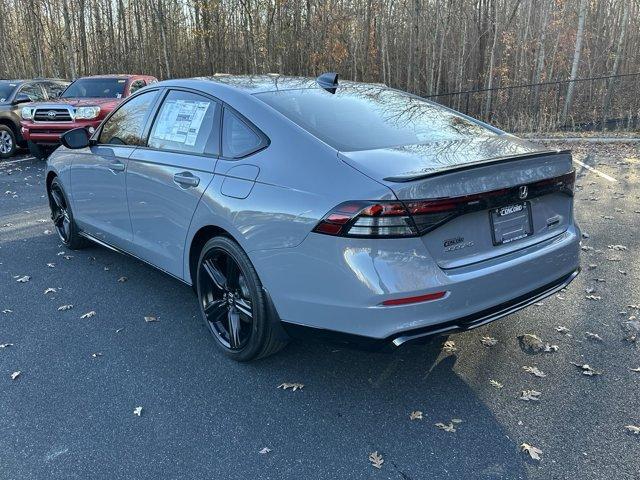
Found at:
(576, 60)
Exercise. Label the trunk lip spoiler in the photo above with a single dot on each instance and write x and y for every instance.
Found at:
(468, 166)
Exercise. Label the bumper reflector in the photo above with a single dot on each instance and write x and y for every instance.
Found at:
(420, 298)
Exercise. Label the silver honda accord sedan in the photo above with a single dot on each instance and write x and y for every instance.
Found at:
(317, 207)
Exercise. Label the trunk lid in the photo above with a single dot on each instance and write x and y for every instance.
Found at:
(483, 177)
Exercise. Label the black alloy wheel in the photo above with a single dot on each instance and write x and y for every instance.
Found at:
(233, 303)
(62, 217)
(226, 300)
(60, 213)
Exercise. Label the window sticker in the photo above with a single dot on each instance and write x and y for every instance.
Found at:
(180, 121)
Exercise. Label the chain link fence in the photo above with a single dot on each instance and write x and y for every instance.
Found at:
(598, 103)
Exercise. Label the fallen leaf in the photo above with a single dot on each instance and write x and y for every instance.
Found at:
(415, 415)
(533, 452)
(264, 451)
(534, 371)
(496, 384)
(593, 336)
(449, 427)
(118, 330)
(88, 314)
(449, 346)
(50, 290)
(151, 318)
(23, 279)
(531, 342)
(124, 279)
(488, 341)
(619, 248)
(6, 311)
(635, 369)
(51, 265)
(5, 345)
(15, 375)
(593, 297)
(633, 429)
(586, 369)
(63, 308)
(137, 411)
(530, 395)
(376, 460)
(292, 386)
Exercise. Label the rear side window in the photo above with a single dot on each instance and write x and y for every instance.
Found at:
(136, 85)
(34, 92)
(367, 117)
(238, 138)
(126, 125)
(54, 90)
(186, 123)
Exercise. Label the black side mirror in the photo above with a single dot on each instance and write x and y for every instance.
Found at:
(21, 98)
(76, 138)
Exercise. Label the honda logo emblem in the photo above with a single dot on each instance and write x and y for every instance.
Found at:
(523, 191)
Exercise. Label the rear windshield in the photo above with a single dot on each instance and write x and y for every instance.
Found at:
(368, 117)
(96, 88)
(6, 89)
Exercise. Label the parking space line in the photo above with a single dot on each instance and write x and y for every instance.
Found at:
(12, 162)
(597, 172)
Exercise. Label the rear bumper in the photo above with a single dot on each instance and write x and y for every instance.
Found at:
(48, 133)
(339, 285)
(420, 334)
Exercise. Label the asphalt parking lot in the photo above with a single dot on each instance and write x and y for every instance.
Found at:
(70, 412)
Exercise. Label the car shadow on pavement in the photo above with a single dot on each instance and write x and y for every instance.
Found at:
(379, 390)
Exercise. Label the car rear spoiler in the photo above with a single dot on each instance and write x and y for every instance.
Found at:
(434, 172)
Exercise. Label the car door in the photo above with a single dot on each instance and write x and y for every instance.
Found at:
(98, 174)
(167, 177)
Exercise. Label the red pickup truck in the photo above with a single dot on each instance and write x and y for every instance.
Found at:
(85, 103)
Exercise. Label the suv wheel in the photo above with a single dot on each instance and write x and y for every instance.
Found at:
(232, 302)
(7, 142)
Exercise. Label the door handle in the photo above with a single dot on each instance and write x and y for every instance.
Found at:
(116, 167)
(186, 179)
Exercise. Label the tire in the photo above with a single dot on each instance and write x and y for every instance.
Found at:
(233, 304)
(62, 217)
(8, 143)
(39, 151)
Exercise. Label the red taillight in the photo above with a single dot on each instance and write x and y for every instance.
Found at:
(368, 219)
(420, 298)
(411, 218)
